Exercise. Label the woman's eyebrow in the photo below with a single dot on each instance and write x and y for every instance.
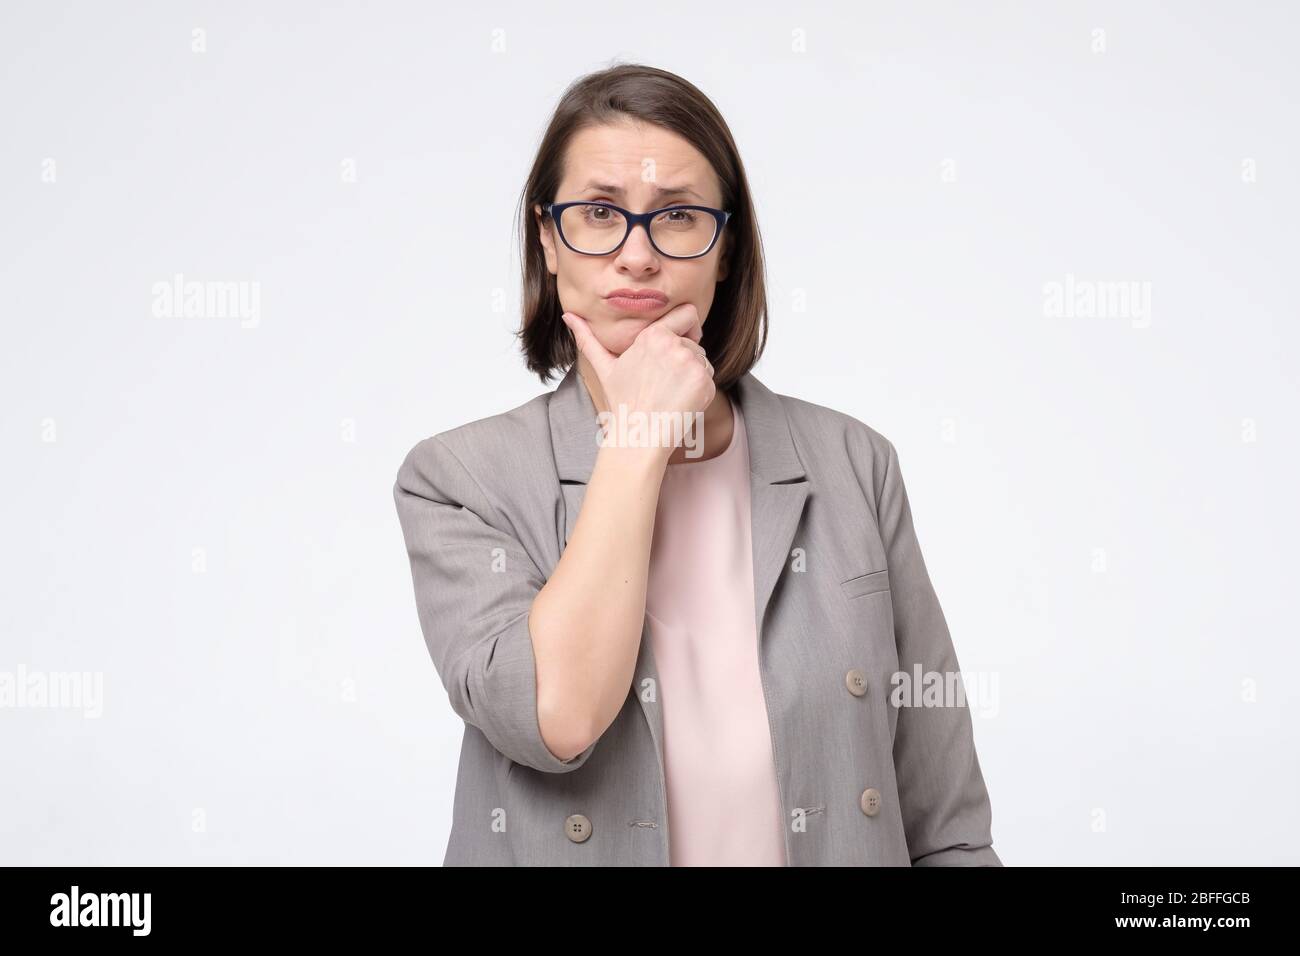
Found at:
(683, 190)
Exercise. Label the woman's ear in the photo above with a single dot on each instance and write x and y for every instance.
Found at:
(547, 237)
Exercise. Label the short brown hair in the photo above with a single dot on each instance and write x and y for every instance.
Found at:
(736, 331)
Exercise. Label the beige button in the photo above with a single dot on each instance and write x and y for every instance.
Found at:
(577, 828)
(870, 801)
(856, 682)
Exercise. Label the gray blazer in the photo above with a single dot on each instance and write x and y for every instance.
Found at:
(843, 602)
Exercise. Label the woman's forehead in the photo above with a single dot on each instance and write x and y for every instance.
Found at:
(638, 159)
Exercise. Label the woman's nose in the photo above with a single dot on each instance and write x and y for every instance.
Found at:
(637, 247)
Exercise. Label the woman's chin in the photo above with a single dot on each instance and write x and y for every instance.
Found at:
(620, 333)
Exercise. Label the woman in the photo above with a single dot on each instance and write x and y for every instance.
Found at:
(676, 644)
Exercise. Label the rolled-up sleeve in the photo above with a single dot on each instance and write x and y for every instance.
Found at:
(474, 588)
(947, 817)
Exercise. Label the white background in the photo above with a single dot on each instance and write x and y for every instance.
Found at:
(1104, 534)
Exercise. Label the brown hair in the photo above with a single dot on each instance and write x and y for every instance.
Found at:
(736, 331)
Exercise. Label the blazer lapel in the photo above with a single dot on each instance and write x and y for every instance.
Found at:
(778, 491)
(778, 487)
(574, 432)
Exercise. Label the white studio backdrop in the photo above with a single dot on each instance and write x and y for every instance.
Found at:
(1049, 251)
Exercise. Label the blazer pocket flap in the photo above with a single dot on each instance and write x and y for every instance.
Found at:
(868, 583)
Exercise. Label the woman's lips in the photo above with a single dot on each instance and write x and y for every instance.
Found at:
(638, 303)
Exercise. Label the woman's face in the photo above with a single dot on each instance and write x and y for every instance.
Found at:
(648, 167)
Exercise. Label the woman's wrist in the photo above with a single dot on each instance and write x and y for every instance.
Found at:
(649, 461)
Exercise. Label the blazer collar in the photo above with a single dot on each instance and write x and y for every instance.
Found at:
(574, 427)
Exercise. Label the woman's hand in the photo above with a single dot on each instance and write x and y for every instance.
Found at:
(664, 370)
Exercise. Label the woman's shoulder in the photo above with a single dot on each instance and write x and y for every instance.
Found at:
(838, 450)
(508, 444)
(820, 429)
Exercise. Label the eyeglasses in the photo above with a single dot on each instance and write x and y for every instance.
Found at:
(600, 228)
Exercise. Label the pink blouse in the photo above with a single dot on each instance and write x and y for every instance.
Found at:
(724, 806)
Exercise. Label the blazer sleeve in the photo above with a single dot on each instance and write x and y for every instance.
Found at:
(947, 818)
(474, 587)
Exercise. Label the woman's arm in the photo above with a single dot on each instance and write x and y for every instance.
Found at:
(474, 585)
(475, 589)
(945, 805)
(587, 622)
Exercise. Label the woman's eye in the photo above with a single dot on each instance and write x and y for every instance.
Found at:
(678, 217)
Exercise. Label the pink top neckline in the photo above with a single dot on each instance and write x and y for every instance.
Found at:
(726, 452)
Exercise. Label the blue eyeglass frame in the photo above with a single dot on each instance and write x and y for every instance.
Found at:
(634, 219)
